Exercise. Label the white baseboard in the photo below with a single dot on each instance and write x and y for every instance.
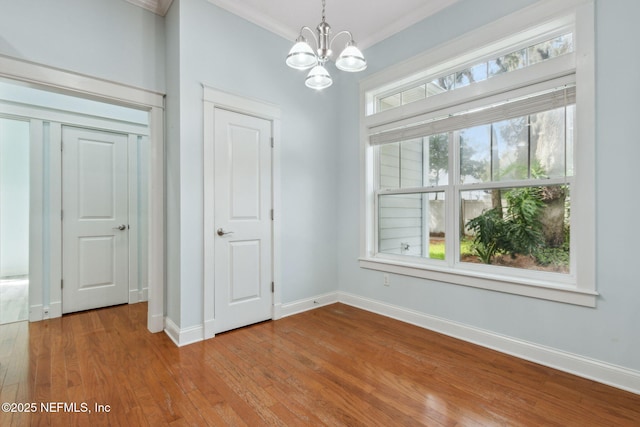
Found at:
(136, 296)
(289, 309)
(209, 328)
(155, 322)
(182, 337)
(615, 376)
(39, 312)
(55, 309)
(35, 313)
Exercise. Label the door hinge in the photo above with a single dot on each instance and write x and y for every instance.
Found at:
(61, 215)
(271, 214)
(272, 142)
(273, 287)
(61, 284)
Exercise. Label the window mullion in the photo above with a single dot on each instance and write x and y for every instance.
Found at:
(489, 185)
(413, 190)
(426, 232)
(452, 202)
(399, 165)
(373, 248)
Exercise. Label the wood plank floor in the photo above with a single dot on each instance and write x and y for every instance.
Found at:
(336, 366)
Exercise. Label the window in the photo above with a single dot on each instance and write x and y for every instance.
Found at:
(529, 55)
(472, 162)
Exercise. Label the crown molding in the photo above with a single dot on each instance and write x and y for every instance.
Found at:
(275, 26)
(159, 7)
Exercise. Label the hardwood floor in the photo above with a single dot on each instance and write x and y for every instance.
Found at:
(335, 365)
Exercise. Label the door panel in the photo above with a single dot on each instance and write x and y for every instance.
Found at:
(95, 168)
(95, 213)
(244, 280)
(242, 205)
(90, 272)
(244, 172)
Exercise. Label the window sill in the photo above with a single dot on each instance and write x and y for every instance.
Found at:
(496, 282)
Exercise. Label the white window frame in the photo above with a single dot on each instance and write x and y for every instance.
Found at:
(532, 23)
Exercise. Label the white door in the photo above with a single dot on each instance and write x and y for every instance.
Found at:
(242, 220)
(94, 225)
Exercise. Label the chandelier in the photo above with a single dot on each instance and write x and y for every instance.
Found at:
(302, 57)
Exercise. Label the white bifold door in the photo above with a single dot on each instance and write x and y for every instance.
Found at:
(242, 220)
(95, 219)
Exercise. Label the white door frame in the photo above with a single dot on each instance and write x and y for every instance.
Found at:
(83, 86)
(213, 99)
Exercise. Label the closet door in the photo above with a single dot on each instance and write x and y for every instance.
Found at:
(95, 228)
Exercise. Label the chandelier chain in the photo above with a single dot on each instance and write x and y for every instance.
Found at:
(323, 8)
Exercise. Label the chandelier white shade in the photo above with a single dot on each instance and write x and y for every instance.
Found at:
(351, 59)
(318, 78)
(302, 56)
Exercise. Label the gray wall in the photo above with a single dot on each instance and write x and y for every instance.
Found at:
(172, 163)
(14, 198)
(225, 52)
(113, 40)
(607, 332)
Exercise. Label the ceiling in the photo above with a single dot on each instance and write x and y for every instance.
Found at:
(370, 21)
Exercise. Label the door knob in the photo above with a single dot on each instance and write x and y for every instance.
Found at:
(120, 227)
(221, 232)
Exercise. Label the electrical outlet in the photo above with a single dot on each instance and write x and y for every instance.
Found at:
(385, 279)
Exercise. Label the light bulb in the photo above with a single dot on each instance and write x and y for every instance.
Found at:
(318, 78)
(301, 56)
(351, 59)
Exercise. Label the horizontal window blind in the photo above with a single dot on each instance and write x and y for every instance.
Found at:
(536, 103)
